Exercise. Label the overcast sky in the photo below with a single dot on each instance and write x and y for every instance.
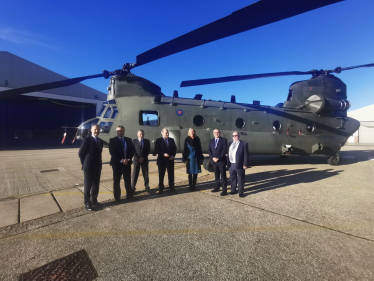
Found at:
(78, 38)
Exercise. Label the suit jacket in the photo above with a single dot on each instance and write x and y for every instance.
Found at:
(90, 154)
(219, 152)
(138, 152)
(241, 154)
(116, 149)
(161, 148)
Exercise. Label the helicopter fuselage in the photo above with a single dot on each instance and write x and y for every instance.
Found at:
(138, 104)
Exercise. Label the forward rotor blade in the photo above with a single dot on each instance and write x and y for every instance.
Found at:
(46, 86)
(189, 83)
(258, 14)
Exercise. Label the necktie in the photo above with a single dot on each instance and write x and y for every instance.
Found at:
(166, 142)
(215, 146)
(124, 147)
(141, 144)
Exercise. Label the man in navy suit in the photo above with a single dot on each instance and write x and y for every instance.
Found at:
(121, 149)
(166, 149)
(217, 152)
(141, 151)
(238, 161)
(90, 156)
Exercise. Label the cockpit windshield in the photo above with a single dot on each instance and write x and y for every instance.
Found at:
(101, 111)
(89, 124)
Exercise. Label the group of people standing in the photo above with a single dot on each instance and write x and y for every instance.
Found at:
(126, 152)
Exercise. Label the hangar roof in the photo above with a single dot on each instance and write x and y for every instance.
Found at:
(16, 72)
(363, 114)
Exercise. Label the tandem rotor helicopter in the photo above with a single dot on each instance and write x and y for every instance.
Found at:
(312, 121)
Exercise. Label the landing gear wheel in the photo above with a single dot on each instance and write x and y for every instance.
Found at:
(207, 165)
(334, 160)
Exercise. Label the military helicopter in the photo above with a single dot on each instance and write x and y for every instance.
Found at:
(312, 121)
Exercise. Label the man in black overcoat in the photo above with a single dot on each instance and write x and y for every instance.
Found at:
(141, 151)
(217, 152)
(121, 149)
(165, 149)
(238, 161)
(90, 156)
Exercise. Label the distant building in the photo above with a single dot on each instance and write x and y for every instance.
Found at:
(365, 134)
(35, 119)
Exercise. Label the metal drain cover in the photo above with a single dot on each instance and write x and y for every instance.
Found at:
(76, 266)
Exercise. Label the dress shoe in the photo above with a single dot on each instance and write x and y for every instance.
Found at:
(233, 192)
(241, 195)
(88, 207)
(118, 201)
(148, 189)
(160, 192)
(94, 204)
(215, 190)
(224, 193)
(173, 190)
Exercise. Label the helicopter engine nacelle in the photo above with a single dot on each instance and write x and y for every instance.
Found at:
(317, 103)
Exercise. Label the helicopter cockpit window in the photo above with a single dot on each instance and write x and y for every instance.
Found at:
(101, 111)
(88, 125)
(148, 118)
(105, 127)
(240, 123)
(310, 128)
(277, 125)
(198, 120)
(115, 112)
(108, 113)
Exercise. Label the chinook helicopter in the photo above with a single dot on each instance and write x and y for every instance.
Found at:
(312, 121)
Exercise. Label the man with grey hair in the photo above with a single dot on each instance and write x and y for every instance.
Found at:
(122, 151)
(165, 149)
(142, 147)
(90, 156)
(238, 161)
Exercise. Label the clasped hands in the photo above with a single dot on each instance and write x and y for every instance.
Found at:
(170, 157)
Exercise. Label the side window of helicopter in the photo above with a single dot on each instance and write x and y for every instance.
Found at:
(240, 123)
(101, 111)
(115, 112)
(105, 127)
(108, 112)
(310, 128)
(277, 125)
(148, 118)
(198, 120)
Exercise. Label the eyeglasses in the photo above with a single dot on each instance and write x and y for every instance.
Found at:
(235, 135)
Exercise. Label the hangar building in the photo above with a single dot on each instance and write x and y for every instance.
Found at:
(36, 119)
(365, 134)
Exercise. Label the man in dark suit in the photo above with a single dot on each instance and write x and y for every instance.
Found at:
(141, 151)
(165, 149)
(238, 161)
(217, 152)
(90, 156)
(122, 151)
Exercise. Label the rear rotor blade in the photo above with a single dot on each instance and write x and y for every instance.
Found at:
(47, 86)
(338, 69)
(189, 83)
(258, 14)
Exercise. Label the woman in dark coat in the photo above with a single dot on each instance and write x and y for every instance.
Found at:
(192, 156)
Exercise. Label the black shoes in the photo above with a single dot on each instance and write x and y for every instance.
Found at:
(233, 192)
(215, 190)
(224, 193)
(94, 204)
(173, 190)
(241, 195)
(118, 201)
(88, 207)
(160, 191)
(148, 190)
